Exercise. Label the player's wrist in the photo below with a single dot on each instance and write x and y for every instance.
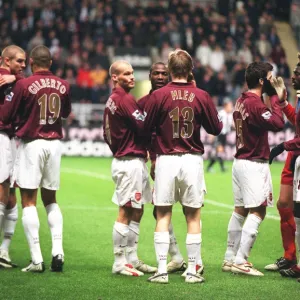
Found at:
(283, 104)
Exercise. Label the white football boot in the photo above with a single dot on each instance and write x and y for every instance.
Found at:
(226, 266)
(193, 278)
(246, 269)
(35, 268)
(174, 266)
(142, 267)
(159, 278)
(199, 271)
(126, 269)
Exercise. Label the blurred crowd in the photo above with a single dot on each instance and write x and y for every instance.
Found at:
(82, 34)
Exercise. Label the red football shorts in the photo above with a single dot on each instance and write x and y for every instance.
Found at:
(286, 174)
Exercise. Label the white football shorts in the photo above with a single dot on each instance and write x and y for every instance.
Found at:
(251, 183)
(132, 186)
(296, 184)
(6, 158)
(38, 164)
(180, 178)
(14, 145)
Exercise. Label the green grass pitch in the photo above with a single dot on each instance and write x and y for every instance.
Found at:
(85, 200)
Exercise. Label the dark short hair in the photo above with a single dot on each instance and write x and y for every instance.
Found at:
(41, 56)
(159, 63)
(256, 71)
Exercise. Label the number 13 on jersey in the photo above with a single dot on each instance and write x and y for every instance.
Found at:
(188, 127)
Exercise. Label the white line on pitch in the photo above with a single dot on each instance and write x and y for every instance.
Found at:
(106, 177)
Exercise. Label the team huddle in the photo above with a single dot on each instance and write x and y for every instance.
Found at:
(165, 127)
(31, 115)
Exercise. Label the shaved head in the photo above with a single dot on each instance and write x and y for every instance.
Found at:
(41, 57)
(121, 73)
(13, 59)
(11, 51)
(117, 67)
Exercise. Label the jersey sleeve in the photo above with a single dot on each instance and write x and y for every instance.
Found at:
(151, 109)
(263, 117)
(67, 106)
(292, 145)
(133, 115)
(11, 104)
(290, 113)
(211, 121)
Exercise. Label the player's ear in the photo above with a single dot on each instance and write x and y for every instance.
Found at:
(261, 81)
(50, 63)
(30, 61)
(6, 61)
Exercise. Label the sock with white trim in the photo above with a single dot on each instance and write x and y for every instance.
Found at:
(161, 243)
(31, 226)
(120, 239)
(55, 222)
(173, 248)
(235, 227)
(9, 226)
(249, 234)
(193, 247)
(132, 243)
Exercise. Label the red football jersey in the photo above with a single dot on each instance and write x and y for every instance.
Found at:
(294, 114)
(177, 111)
(123, 125)
(7, 128)
(39, 103)
(252, 121)
(141, 104)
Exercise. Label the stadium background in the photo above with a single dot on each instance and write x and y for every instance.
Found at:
(84, 38)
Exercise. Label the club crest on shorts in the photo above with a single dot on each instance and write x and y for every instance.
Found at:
(138, 196)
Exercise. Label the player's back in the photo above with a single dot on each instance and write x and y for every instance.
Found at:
(252, 121)
(182, 110)
(45, 101)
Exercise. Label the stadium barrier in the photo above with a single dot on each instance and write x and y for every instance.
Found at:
(83, 141)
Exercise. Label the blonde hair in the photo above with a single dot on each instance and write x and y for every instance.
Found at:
(180, 63)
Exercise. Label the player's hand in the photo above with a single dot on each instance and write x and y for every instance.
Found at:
(275, 152)
(152, 170)
(279, 86)
(7, 79)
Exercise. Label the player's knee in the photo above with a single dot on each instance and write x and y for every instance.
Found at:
(297, 210)
(12, 214)
(137, 215)
(282, 202)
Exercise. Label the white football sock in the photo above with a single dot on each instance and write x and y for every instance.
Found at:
(55, 222)
(173, 248)
(297, 234)
(31, 226)
(132, 243)
(2, 215)
(120, 236)
(249, 233)
(235, 227)
(193, 248)
(198, 257)
(161, 243)
(10, 222)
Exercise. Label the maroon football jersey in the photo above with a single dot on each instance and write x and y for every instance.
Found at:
(123, 125)
(294, 144)
(177, 111)
(7, 128)
(141, 104)
(252, 121)
(39, 103)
